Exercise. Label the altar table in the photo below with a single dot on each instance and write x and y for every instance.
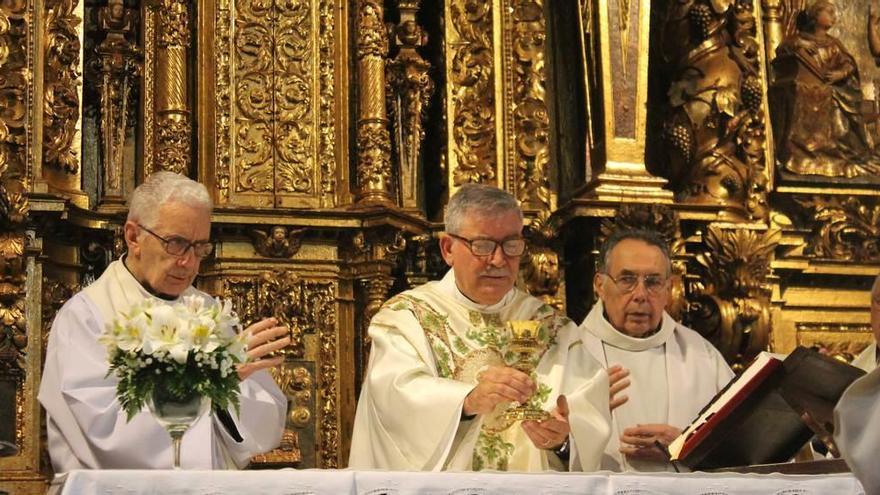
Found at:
(320, 482)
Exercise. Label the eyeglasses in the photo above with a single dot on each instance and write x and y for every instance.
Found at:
(512, 248)
(178, 246)
(628, 282)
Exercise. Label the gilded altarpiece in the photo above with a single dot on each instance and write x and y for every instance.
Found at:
(331, 133)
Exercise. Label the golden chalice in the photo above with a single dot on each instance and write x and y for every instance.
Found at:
(524, 342)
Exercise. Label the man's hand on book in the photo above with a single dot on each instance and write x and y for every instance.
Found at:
(498, 384)
(551, 433)
(638, 441)
(617, 381)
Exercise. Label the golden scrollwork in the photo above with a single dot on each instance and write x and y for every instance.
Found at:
(278, 242)
(15, 129)
(253, 89)
(60, 82)
(843, 228)
(299, 304)
(327, 106)
(528, 105)
(222, 101)
(730, 297)
(13, 322)
(373, 138)
(410, 92)
(328, 379)
(294, 61)
(173, 143)
(714, 134)
(471, 90)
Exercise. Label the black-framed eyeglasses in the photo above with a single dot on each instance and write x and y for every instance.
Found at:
(654, 284)
(178, 246)
(512, 247)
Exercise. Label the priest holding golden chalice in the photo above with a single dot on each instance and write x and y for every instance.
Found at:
(502, 378)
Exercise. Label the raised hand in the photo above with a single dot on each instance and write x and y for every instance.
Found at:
(498, 384)
(617, 381)
(264, 338)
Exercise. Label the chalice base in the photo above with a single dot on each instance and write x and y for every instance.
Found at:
(525, 413)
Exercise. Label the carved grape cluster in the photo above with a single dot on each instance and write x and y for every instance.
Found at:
(681, 140)
(701, 19)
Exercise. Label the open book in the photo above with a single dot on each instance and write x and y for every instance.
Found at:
(757, 417)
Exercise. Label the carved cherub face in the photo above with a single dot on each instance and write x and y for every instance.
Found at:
(824, 14)
(279, 234)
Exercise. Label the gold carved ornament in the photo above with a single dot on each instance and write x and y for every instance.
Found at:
(61, 79)
(528, 101)
(471, 90)
(714, 134)
(730, 298)
(844, 228)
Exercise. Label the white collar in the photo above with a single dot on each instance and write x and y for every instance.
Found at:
(448, 285)
(598, 325)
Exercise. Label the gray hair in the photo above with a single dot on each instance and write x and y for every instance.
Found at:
(481, 199)
(649, 237)
(160, 188)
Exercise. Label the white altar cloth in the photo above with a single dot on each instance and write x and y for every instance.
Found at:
(320, 482)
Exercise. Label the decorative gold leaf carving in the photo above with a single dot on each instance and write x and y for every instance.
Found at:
(174, 23)
(173, 143)
(16, 133)
(528, 105)
(730, 303)
(61, 78)
(294, 65)
(471, 79)
(327, 126)
(13, 322)
(844, 228)
(714, 133)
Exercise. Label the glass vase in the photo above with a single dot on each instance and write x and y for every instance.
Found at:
(176, 414)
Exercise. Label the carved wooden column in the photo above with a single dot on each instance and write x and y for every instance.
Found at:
(373, 139)
(167, 110)
(119, 67)
(411, 87)
(623, 33)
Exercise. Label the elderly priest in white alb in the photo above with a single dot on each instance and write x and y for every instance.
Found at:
(667, 371)
(440, 368)
(167, 232)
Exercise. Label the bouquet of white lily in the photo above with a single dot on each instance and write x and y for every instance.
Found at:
(182, 349)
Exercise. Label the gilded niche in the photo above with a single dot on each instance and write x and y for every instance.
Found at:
(816, 97)
(714, 133)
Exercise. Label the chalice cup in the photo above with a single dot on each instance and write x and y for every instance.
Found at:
(525, 344)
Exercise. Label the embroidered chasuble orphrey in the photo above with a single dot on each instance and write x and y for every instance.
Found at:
(429, 346)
